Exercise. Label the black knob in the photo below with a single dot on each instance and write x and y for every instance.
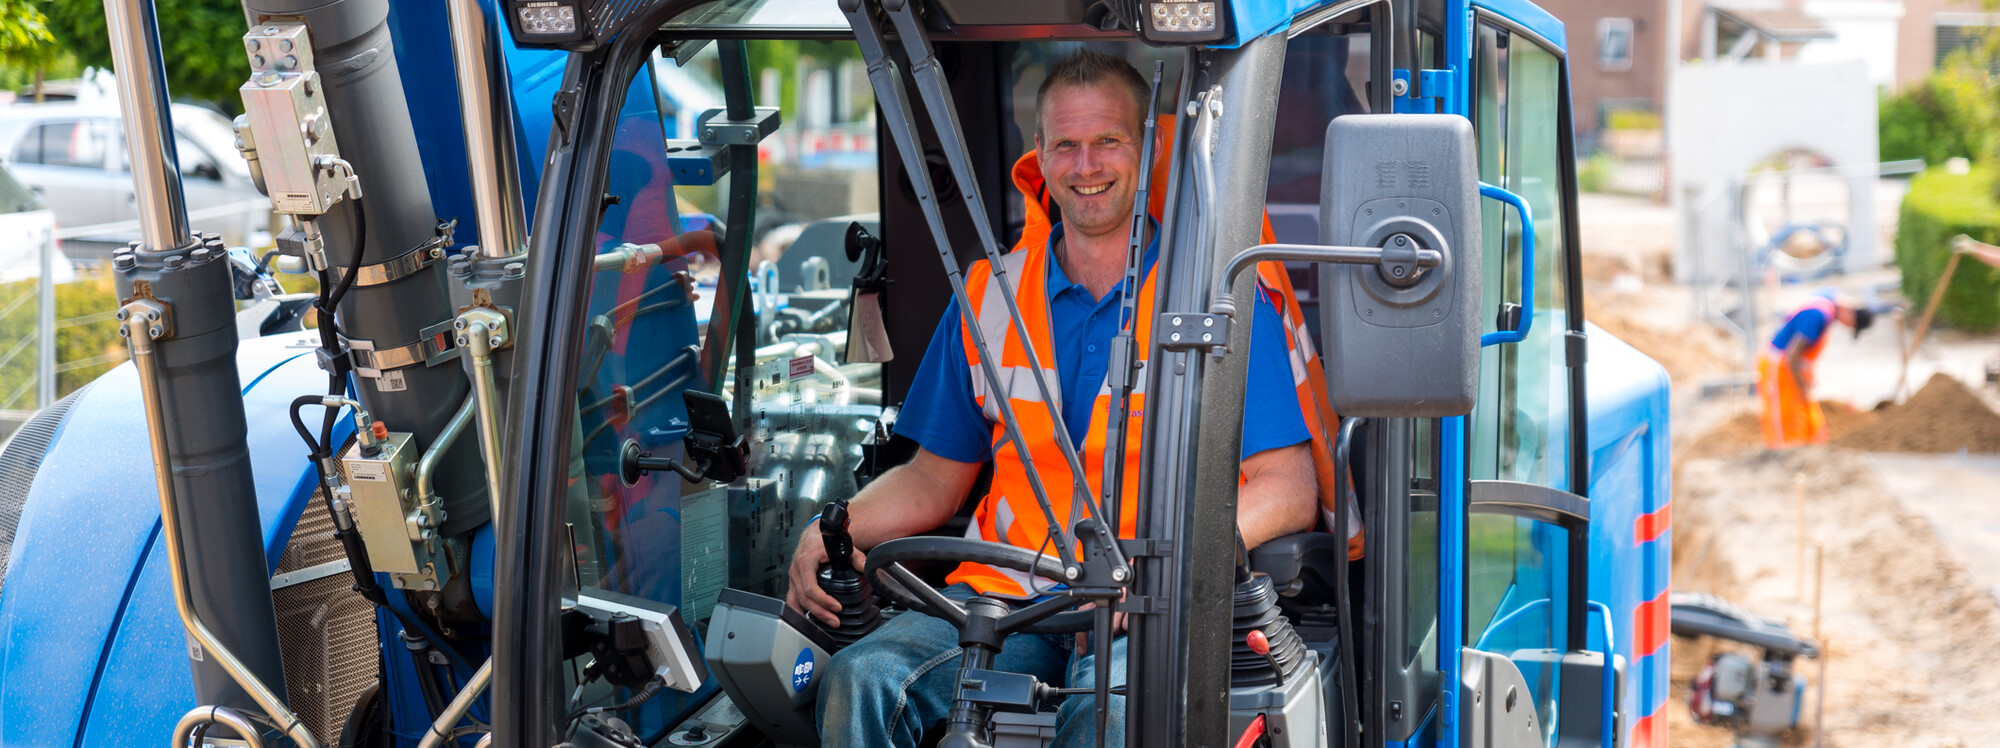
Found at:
(839, 580)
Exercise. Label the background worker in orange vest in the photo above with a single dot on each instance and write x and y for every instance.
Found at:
(1791, 416)
(891, 685)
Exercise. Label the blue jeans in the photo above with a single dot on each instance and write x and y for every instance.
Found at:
(898, 681)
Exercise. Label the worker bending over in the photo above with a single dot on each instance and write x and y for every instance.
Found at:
(893, 684)
(1790, 414)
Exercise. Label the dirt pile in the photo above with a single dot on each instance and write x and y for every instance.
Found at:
(1910, 631)
(1944, 416)
(1688, 355)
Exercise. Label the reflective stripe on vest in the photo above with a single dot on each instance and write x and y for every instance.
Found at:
(1009, 512)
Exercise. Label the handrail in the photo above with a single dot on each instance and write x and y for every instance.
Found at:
(140, 329)
(460, 704)
(194, 724)
(1520, 332)
(1608, 712)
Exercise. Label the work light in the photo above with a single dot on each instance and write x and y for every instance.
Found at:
(547, 23)
(1184, 20)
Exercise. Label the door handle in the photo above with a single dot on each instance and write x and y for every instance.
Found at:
(1527, 311)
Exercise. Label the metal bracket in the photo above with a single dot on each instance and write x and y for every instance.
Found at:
(435, 347)
(1576, 349)
(1434, 84)
(1143, 604)
(1155, 547)
(159, 318)
(1186, 331)
(310, 573)
(390, 271)
(695, 163)
(717, 128)
(497, 329)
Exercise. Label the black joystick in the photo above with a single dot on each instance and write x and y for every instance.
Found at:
(839, 579)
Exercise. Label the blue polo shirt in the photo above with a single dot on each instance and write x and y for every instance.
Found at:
(1807, 323)
(941, 414)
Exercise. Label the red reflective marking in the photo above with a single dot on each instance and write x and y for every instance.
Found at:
(1649, 527)
(1649, 625)
(1650, 731)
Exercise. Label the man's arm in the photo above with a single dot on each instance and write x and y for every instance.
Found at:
(1279, 495)
(1795, 362)
(907, 500)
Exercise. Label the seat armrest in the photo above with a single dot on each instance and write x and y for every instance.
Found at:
(1285, 558)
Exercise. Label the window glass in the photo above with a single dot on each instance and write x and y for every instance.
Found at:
(1614, 43)
(195, 163)
(1521, 427)
(16, 197)
(82, 143)
(1420, 644)
(809, 408)
(1516, 575)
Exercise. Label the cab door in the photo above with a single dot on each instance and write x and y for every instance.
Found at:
(1525, 534)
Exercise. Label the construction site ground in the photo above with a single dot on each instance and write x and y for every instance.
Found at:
(1903, 504)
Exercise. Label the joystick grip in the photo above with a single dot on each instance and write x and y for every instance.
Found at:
(833, 522)
(858, 614)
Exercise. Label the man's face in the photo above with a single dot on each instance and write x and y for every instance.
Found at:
(1089, 151)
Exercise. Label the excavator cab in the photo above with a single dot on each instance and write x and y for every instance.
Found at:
(743, 222)
(799, 282)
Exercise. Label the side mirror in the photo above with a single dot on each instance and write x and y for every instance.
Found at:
(1403, 338)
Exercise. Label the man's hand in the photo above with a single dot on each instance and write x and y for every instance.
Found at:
(907, 500)
(805, 594)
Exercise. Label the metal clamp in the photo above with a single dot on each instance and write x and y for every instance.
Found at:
(158, 316)
(1186, 331)
(717, 128)
(390, 271)
(435, 347)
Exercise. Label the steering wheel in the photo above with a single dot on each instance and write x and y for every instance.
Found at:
(885, 565)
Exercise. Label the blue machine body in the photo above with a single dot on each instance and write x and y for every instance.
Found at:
(94, 652)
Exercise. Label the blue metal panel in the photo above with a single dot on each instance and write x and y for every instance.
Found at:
(423, 56)
(1630, 484)
(80, 614)
(1529, 16)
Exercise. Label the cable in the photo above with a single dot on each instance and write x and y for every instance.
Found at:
(651, 689)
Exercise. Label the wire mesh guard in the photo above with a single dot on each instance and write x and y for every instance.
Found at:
(326, 630)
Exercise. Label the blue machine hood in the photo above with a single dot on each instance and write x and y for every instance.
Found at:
(91, 649)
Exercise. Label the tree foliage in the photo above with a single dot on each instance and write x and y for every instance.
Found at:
(202, 41)
(25, 40)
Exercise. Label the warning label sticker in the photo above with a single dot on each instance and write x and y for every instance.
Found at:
(802, 367)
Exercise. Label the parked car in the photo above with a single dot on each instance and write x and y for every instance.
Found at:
(72, 156)
(26, 227)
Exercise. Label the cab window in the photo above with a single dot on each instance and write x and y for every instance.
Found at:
(655, 333)
(1516, 575)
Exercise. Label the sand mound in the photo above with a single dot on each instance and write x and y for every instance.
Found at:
(1944, 416)
(1910, 629)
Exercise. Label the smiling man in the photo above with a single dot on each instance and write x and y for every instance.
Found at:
(897, 682)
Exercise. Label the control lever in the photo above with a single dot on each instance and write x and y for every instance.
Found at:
(839, 579)
(714, 450)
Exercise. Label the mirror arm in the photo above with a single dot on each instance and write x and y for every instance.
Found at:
(1224, 302)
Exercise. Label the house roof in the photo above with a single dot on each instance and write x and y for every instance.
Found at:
(1778, 23)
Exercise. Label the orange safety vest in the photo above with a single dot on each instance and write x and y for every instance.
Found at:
(1009, 513)
(1789, 416)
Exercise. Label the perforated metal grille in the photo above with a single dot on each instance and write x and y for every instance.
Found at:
(20, 458)
(327, 631)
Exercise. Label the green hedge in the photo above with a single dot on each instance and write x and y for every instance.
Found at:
(1938, 207)
(1950, 114)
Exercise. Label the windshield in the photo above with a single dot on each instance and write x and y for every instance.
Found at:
(657, 333)
(762, 16)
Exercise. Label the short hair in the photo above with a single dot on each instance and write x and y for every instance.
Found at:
(1089, 67)
(1863, 317)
